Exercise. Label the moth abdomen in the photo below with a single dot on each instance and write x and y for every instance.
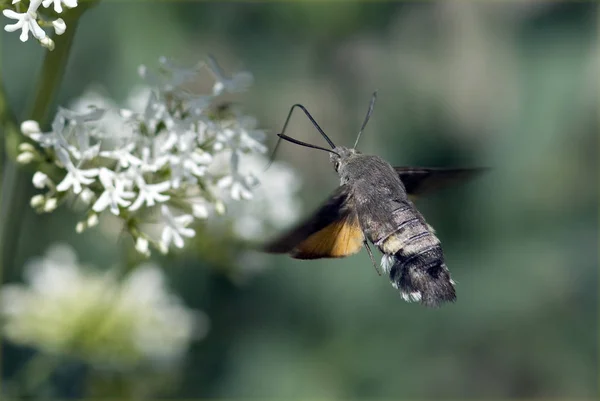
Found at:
(415, 261)
(421, 277)
(410, 233)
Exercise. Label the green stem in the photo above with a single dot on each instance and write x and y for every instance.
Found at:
(13, 196)
(8, 126)
(14, 184)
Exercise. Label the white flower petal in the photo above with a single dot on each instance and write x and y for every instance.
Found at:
(137, 203)
(199, 211)
(24, 32)
(114, 208)
(187, 232)
(166, 236)
(37, 31)
(102, 202)
(183, 220)
(177, 240)
(65, 184)
(11, 14)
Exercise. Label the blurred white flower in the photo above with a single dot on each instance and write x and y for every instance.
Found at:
(65, 308)
(199, 208)
(34, 18)
(275, 202)
(123, 156)
(114, 194)
(175, 228)
(142, 246)
(161, 152)
(75, 178)
(238, 82)
(150, 194)
(239, 186)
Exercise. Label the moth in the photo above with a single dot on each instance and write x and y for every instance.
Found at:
(372, 205)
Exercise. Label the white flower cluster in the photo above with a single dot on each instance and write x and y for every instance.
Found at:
(67, 309)
(154, 165)
(276, 203)
(28, 19)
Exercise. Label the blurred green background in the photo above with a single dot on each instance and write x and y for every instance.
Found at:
(510, 85)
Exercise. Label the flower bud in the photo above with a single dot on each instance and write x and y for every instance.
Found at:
(86, 195)
(220, 207)
(162, 248)
(142, 71)
(92, 220)
(37, 201)
(40, 180)
(141, 245)
(70, 4)
(218, 88)
(30, 127)
(59, 26)
(50, 204)
(26, 147)
(125, 113)
(80, 227)
(25, 158)
(47, 43)
(199, 211)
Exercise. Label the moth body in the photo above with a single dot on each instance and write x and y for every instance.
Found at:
(413, 256)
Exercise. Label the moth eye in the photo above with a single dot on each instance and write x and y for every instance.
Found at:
(337, 166)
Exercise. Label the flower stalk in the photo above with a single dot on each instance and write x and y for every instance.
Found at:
(13, 195)
(13, 187)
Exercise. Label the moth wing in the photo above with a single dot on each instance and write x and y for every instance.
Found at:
(339, 239)
(332, 231)
(419, 181)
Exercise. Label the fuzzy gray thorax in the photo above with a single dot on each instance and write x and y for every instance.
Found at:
(353, 166)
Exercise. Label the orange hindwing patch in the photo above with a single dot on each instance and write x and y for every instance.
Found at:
(340, 238)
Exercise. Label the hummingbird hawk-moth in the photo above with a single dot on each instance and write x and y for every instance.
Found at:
(372, 205)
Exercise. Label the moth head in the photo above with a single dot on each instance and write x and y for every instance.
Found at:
(341, 157)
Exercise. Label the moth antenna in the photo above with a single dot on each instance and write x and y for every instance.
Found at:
(369, 112)
(308, 145)
(272, 157)
(287, 120)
